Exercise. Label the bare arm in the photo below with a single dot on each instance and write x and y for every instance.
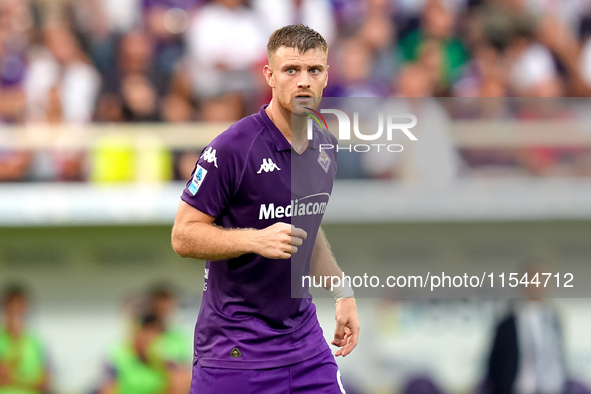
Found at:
(323, 261)
(347, 322)
(195, 235)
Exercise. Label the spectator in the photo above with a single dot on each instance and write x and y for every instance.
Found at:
(317, 14)
(378, 33)
(123, 16)
(414, 80)
(222, 62)
(166, 23)
(484, 76)
(135, 59)
(354, 76)
(62, 88)
(165, 20)
(140, 99)
(568, 13)
(64, 68)
(527, 354)
(352, 14)
(532, 70)
(15, 22)
(435, 45)
(23, 361)
(14, 15)
(135, 55)
(223, 108)
(89, 22)
(176, 109)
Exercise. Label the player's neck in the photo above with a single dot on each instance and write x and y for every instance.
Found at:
(294, 130)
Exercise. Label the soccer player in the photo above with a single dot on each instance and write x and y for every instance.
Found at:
(172, 344)
(23, 362)
(253, 210)
(136, 368)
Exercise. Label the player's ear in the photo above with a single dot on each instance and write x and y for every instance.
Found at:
(268, 73)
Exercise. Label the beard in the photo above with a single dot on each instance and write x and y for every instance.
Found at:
(300, 107)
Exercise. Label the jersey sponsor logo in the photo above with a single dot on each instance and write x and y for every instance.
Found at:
(235, 353)
(298, 207)
(268, 166)
(209, 156)
(197, 180)
(324, 161)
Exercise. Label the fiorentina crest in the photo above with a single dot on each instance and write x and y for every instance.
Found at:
(324, 161)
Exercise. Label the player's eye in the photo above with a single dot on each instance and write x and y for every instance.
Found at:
(291, 71)
(315, 71)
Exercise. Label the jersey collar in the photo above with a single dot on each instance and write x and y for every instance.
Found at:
(279, 139)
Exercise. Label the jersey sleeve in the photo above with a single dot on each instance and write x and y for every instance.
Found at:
(214, 179)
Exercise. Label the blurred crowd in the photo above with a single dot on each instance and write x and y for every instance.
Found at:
(177, 61)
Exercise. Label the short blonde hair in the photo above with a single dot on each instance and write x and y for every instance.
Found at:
(299, 36)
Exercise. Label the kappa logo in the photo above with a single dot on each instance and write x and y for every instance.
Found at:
(209, 156)
(268, 166)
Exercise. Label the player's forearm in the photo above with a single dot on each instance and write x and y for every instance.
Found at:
(323, 261)
(206, 241)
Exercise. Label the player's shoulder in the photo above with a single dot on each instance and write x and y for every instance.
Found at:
(231, 148)
(240, 136)
(327, 137)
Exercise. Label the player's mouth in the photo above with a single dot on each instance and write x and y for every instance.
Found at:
(303, 97)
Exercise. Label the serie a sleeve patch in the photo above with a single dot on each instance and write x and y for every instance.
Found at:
(197, 180)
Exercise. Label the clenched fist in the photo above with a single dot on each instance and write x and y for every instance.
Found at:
(279, 241)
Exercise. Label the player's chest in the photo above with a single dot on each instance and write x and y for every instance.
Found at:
(276, 174)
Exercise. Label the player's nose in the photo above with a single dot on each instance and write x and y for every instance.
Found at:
(304, 82)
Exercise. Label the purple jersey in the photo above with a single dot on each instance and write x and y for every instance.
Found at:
(249, 177)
